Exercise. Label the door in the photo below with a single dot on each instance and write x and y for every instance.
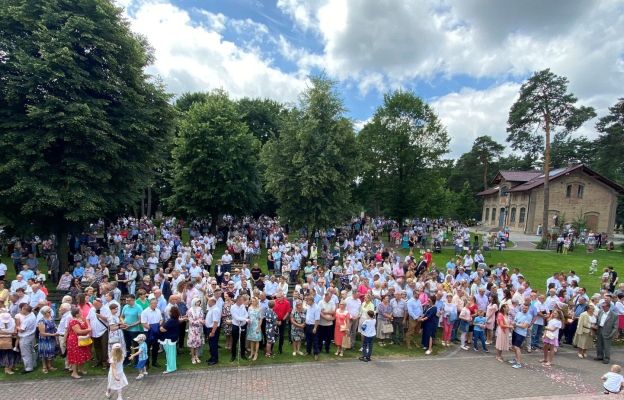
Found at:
(501, 218)
(592, 222)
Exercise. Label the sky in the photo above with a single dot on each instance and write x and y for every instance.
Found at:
(467, 58)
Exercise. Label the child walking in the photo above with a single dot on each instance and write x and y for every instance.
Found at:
(116, 377)
(141, 353)
(368, 331)
(613, 380)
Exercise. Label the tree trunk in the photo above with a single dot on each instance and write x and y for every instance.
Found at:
(62, 248)
(485, 170)
(149, 202)
(546, 176)
(142, 202)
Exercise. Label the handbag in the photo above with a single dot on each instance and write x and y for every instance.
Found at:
(346, 341)
(387, 328)
(85, 341)
(6, 343)
(550, 335)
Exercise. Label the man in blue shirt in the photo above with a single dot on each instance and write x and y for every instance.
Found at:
(78, 271)
(414, 312)
(521, 324)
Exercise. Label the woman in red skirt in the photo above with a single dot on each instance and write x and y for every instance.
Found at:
(77, 355)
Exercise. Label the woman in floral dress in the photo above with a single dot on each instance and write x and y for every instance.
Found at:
(47, 339)
(196, 322)
(226, 320)
(77, 355)
(297, 324)
(270, 323)
(254, 333)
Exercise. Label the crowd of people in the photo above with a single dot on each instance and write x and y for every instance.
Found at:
(139, 296)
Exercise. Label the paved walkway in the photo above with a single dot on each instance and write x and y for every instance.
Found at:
(457, 375)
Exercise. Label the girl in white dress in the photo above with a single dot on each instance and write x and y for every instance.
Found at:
(116, 377)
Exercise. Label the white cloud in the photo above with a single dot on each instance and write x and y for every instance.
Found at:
(470, 113)
(194, 56)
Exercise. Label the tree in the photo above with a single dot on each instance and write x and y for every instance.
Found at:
(262, 116)
(310, 167)
(401, 148)
(545, 105)
(81, 124)
(567, 150)
(609, 147)
(215, 160)
(466, 206)
(487, 151)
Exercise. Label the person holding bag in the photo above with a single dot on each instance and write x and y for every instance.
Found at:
(551, 336)
(8, 357)
(384, 320)
(78, 343)
(341, 331)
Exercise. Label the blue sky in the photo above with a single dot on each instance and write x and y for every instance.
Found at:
(466, 58)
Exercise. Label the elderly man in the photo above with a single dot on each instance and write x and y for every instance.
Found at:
(414, 313)
(99, 332)
(36, 297)
(212, 325)
(17, 283)
(607, 329)
(151, 319)
(353, 305)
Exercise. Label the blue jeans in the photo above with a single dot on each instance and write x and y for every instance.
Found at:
(478, 336)
(455, 328)
(536, 335)
(367, 346)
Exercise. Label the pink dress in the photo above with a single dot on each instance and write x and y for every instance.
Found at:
(341, 319)
(490, 316)
(502, 334)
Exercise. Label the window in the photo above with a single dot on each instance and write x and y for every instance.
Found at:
(493, 214)
(579, 191)
(487, 214)
(569, 191)
(512, 218)
(504, 191)
(522, 215)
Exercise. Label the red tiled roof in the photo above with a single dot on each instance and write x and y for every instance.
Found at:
(516, 176)
(557, 173)
(488, 191)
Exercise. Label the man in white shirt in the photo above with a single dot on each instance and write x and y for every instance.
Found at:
(226, 262)
(212, 330)
(150, 319)
(65, 313)
(353, 304)
(152, 263)
(328, 311)
(240, 317)
(36, 297)
(312, 320)
(3, 270)
(17, 283)
(99, 333)
(26, 334)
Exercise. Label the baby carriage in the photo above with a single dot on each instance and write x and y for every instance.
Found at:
(437, 246)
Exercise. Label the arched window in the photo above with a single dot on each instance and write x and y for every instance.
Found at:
(522, 215)
(493, 214)
(580, 191)
(487, 214)
(569, 191)
(512, 217)
(504, 191)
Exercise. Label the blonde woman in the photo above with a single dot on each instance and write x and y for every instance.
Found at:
(366, 306)
(254, 333)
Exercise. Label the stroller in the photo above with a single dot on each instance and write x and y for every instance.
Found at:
(437, 246)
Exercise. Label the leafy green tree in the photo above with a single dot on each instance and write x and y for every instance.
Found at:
(186, 100)
(81, 124)
(311, 166)
(401, 147)
(487, 151)
(544, 105)
(609, 147)
(567, 149)
(466, 206)
(215, 160)
(262, 116)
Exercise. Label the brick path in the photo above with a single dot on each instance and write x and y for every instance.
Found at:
(456, 375)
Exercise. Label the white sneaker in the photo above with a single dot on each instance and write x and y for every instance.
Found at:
(139, 377)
